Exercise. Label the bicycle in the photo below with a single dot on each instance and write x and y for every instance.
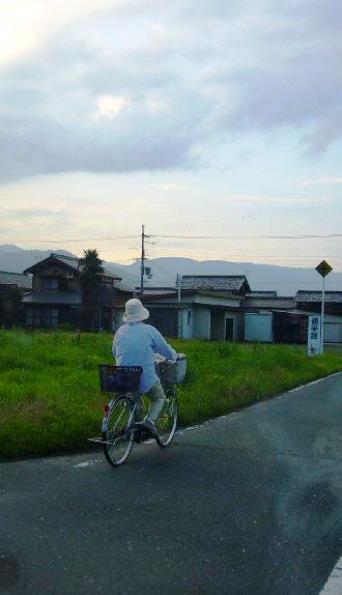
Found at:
(122, 424)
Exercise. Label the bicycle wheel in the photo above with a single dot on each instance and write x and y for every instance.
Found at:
(167, 421)
(118, 440)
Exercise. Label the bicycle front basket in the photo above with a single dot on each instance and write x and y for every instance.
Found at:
(116, 379)
(172, 372)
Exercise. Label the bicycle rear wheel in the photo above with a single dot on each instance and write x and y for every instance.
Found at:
(167, 421)
(118, 439)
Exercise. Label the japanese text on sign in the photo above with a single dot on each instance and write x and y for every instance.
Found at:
(314, 335)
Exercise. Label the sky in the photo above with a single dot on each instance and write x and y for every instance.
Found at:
(216, 124)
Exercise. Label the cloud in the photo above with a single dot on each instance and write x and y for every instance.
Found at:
(322, 180)
(170, 187)
(109, 106)
(25, 26)
(272, 199)
(44, 147)
(128, 86)
(16, 214)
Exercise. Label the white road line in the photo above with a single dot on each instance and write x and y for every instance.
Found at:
(88, 463)
(214, 420)
(293, 390)
(333, 586)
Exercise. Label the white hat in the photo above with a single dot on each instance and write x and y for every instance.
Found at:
(135, 311)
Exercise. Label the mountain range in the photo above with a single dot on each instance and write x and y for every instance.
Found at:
(261, 277)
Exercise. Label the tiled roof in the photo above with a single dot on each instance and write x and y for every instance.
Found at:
(122, 286)
(271, 293)
(15, 279)
(270, 303)
(74, 263)
(332, 297)
(62, 297)
(223, 283)
(158, 291)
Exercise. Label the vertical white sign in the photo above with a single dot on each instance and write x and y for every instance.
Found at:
(314, 335)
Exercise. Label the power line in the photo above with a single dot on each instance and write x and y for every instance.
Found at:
(62, 241)
(244, 255)
(251, 237)
(186, 237)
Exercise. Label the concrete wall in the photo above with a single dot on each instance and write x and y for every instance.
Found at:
(187, 315)
(202, 323)
(258, 327)
(332, 329)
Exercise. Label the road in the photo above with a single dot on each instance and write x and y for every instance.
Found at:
(248, 504)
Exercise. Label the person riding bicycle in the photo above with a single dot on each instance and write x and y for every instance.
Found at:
(135, 344)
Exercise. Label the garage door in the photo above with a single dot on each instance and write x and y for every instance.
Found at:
(332, 332)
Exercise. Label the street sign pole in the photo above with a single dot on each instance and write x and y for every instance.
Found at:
(323, 269)
(322, 315)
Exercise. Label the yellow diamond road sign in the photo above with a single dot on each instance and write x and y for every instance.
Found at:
(323, 268)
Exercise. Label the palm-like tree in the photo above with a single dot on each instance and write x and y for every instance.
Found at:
(91, 272)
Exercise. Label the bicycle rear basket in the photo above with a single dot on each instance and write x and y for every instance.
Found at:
(116, 379)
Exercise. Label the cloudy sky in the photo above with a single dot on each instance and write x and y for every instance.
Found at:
(194, 117)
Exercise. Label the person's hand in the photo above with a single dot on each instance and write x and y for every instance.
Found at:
(181, 355)
(158, 358)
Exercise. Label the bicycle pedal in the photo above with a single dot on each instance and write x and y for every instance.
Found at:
(142, 435)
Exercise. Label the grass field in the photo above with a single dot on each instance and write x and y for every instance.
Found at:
(50, 400)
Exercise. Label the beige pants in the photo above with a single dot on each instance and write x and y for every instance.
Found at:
(157, 397)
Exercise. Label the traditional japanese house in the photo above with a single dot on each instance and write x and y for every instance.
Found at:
(56, 297)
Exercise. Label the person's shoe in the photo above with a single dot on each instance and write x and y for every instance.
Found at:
(151, 426)
(137, 425)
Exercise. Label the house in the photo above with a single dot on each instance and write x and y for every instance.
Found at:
(285, 319)
(311, 302)
(19, 280)
(56, 297)
(12, 287)
(223, 307)
(203, 307)
(225, 284)
(196, 314)
(271, 318)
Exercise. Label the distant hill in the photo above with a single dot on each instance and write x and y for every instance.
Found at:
(16, 260)
(285, 280)
(262, 277)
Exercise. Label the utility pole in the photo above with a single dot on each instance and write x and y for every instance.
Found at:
(179, 287)
(179, 311)
(142, 258)
(142, 263)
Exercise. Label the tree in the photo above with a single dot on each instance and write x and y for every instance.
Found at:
(11, 310)
(91, 272)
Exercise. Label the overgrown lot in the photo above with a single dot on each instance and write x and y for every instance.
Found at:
(50, 400)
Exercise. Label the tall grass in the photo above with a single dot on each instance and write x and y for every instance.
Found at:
(49, 389)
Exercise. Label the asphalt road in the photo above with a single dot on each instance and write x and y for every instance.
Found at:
(246, 504)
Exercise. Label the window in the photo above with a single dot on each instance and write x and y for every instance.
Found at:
(189, 316)
(49, 284)
(42, 317)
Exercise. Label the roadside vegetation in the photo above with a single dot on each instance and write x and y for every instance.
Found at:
(50, 400)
